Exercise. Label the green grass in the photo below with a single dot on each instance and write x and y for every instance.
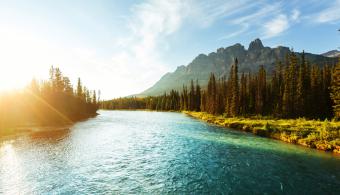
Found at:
(322, 135)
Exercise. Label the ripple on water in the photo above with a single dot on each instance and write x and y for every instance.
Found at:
(123, 152)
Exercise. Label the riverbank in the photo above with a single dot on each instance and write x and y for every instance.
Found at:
(321, 135)
(13, 130)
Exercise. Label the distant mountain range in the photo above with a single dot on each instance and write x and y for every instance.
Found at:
(332, 53)
(219, 63)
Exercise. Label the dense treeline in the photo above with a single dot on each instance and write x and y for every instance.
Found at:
(46, 102)
(335, 90)
(294, 89)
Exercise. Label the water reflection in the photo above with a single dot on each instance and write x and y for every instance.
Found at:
(52, 134)
(12, 177)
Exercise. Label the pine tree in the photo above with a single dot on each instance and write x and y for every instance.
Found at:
(335, 90)
(229, 92)
(211, 95)
(315, 92)
(281, 85)
(67, 86)
(243, 95)
(327, 81)
(86, 96)
(293, 82)
(184, 98)
(52, 80)
(286, 98)
(79, 89)
(219, 98)
(301, 87)
(234, 107)
(58, 80)
(94, 98)
(251, 93)
(192, 102)
(261, 91)
(203, 105)
(289, 96)
(275, 90)
(198, 97)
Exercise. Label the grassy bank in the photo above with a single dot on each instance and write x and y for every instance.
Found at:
(322, 135)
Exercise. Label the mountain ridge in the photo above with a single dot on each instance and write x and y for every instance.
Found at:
(219, 63)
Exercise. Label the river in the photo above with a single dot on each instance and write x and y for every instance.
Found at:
(121, 152)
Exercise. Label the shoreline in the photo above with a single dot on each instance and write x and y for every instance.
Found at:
(27, 129)
(308, 133)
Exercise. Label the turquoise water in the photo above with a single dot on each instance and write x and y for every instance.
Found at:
(121, 152)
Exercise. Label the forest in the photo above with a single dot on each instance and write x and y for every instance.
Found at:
(294, 89)
(52, 101)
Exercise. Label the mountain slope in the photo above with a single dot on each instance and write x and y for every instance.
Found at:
(332, 53)
(219, 63)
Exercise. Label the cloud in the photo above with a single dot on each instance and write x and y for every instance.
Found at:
(138, 53)
(259, 15)
(280, 23)
(243, 28)
(276, 26)
(330, 14)
(295, 15)
(256, 16)
(207, 12)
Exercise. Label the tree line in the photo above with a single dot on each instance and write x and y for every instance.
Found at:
(294, 89)
(49, 101)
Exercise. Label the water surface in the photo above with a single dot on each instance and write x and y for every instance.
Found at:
(121, 152)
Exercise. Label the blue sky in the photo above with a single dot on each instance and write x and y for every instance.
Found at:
(123, 47)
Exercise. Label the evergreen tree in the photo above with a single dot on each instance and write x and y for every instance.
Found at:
(192, 101)
(94, 97)
(203, 106)
(315, 92)
(286, 98)
(79, 89)
(243, 95)
(293, 82)
(198, 97)
(58, 80)
(234, 107)
(301, 87)
(67, 86)
(211, 95)
(326, 91)
(335, 90)
(261, 91)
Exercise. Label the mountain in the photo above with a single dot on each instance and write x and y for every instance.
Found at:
(332, 53)
(219, 63)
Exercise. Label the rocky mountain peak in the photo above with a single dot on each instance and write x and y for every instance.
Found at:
(220, 62)
(255, 45)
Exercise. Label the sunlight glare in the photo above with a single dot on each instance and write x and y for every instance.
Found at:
(11, 174)
(23, 57)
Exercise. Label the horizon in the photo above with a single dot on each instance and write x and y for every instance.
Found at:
(110, 44)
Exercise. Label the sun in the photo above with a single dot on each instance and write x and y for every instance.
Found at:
(23, 57)
(14, 77)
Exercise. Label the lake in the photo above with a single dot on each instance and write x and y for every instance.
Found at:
(121, 152)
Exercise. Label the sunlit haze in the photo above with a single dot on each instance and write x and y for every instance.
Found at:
(124, 47)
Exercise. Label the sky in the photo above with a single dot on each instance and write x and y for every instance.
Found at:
(124, 47)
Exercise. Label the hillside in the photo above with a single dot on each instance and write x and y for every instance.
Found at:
(332, 53)
(219, 63)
